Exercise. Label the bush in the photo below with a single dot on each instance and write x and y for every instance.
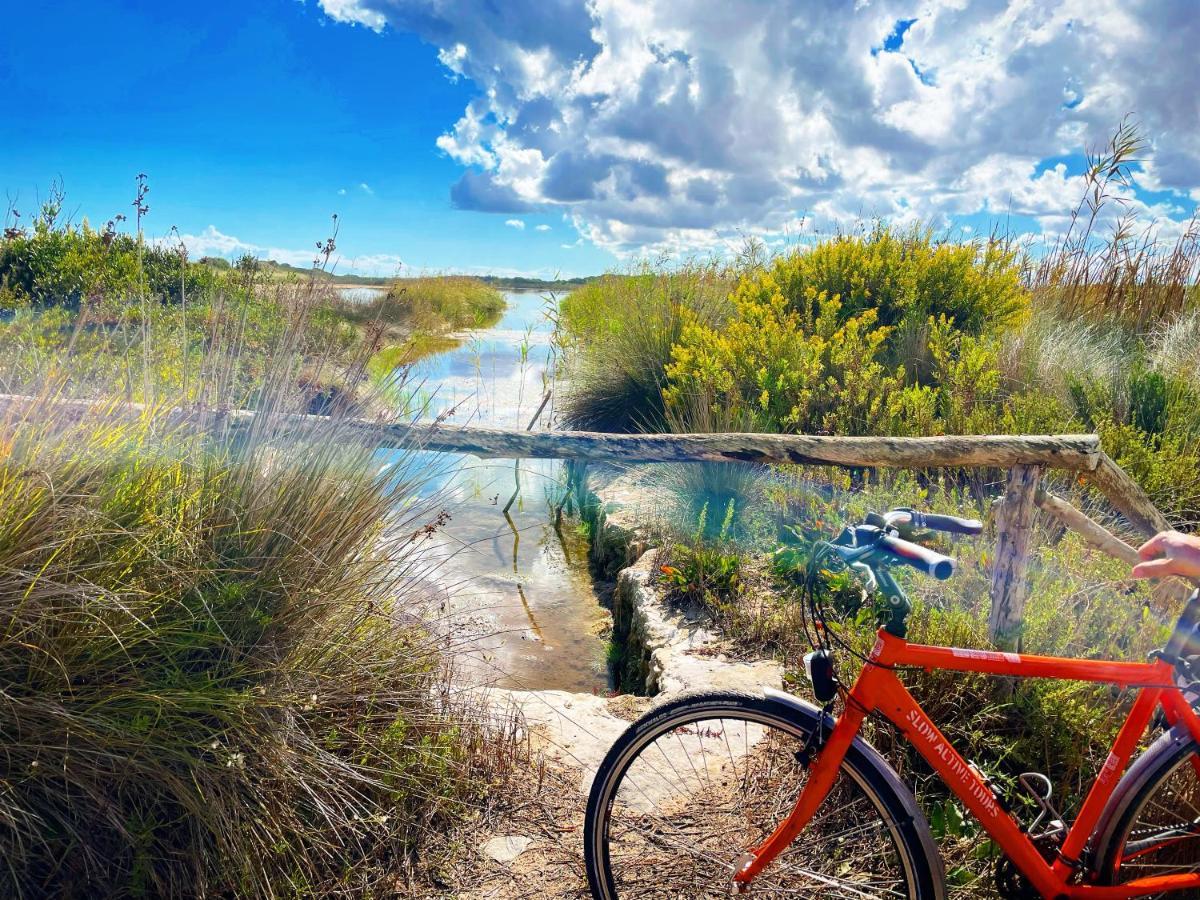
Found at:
(209, 683)
(815, 342)
(772, 368)
(907, 278)
(619, 332)
(57, 264)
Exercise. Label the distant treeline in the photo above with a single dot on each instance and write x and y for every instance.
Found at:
(269, 265)
(536, 284)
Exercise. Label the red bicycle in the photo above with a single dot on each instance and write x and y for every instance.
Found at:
(715, 793)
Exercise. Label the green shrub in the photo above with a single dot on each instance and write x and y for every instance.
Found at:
(705, 574)
(848, 337)
(773, 368)
(1167, 466)
(62, 264)
(907, 278)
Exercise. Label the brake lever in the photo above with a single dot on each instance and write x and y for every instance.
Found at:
(867, 574)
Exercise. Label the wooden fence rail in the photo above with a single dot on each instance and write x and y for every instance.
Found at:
(1025, 456)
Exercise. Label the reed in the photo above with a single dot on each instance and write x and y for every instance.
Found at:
(1110, 265)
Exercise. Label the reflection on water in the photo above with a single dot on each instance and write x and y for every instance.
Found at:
(361, 294)
(517, 590)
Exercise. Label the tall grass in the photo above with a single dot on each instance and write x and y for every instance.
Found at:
(431, 304)
(1175, 346)
(1108, 265)
(210, 680)
(214, 673)
(1054, 356)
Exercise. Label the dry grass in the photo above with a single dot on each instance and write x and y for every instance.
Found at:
(1131, 275)
(213, 674)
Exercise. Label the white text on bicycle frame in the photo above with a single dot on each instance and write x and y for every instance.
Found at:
(958, 768)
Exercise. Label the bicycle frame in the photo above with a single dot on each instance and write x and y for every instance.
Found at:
(878, 689)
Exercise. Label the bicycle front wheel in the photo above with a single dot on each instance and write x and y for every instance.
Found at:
(694, 784)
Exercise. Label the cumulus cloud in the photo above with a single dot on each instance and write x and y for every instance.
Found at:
(366, 189)
(542, 227)
(515, 223)
(213, 242)
(677, 123)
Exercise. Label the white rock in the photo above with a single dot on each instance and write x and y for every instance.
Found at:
(672, 647)
(574, 730)
(504, 848)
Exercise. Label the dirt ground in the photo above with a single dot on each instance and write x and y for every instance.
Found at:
(543, 804)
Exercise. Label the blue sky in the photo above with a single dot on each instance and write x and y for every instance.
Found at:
(251, 118)
(560, 136)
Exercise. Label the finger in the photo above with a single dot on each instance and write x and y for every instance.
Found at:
(1154, 546)
(1157, 568)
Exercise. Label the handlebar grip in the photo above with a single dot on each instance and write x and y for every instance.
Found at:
(920, 558)
(952, 524)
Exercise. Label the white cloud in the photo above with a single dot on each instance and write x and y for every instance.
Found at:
(341, 192)
(366, 189)
(515, 223)
(542, 227)
(353, 12)
(382, 264)
(681, 124)
(212, 242)
(453, 57)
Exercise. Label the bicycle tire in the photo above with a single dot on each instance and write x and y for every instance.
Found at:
(867, 773)
(1159, 785)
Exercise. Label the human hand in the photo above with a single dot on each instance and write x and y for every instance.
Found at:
(1169, 553)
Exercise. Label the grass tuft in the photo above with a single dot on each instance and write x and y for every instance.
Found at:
(213, 677)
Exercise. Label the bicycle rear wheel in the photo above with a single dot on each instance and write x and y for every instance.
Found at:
(1155, 829)
(692, 785)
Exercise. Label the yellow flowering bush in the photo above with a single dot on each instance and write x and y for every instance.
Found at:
(773, 368)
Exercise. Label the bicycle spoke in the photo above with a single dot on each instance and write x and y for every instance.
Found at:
(1163, 834)
(700, 795)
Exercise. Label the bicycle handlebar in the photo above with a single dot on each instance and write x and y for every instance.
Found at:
(930, 562)
(934, 521)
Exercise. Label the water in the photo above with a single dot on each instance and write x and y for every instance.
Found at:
(519, 599)
(361, 294)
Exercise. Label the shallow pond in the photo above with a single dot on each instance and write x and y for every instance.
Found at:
(520, 603)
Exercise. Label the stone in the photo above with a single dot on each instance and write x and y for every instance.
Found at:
(669, 651)
(504, 848)
(573, 730)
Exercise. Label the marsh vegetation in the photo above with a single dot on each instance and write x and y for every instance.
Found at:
(213, 654)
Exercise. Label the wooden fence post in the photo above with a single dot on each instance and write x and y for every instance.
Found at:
(1010, 571)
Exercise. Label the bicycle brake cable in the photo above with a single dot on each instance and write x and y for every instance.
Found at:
(827, 638)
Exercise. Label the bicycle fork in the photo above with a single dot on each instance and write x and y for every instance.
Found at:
(822, 775)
